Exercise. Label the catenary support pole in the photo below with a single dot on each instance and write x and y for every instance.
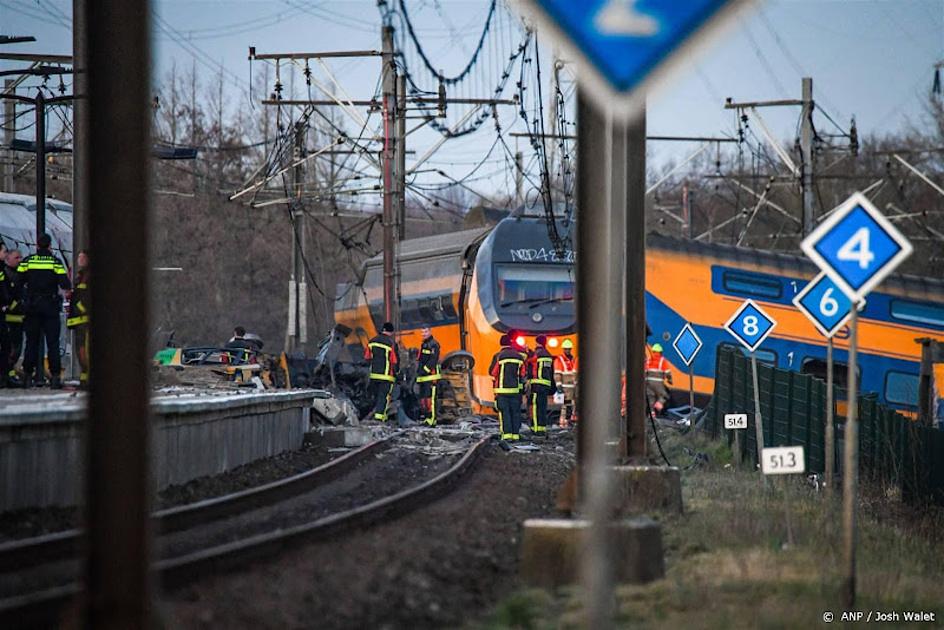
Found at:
(401, 158)
(830, 429)
(635, 287)
(850, 471)
(9, 133)
(389, 80)
(299, 240)
(116, 438)
(40, 163)
(519, 178)
(601, 190)
(806, 150)
(80, 132)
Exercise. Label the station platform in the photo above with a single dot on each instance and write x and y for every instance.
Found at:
(194, 433)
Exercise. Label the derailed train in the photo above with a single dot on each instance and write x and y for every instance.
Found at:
(475, 285)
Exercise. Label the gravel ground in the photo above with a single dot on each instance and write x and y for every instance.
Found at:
(441, 566)
(38, 521)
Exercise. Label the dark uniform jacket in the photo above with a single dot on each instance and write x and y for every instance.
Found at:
(429, 369)
(384, 358)
(12, 301)
(39, 277)
(79, 303)
(507, 370)
(541, 367)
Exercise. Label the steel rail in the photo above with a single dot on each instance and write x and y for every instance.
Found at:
(41, 608)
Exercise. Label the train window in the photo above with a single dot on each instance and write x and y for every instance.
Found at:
(520, 286)
(750, 284)
(901, 388)
(918, 313)
(764, 357)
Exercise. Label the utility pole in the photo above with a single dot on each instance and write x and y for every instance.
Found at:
(401, 163)
(389, 80)
(9, 134)
(806, 150)
(634, 169)
(40, 164)
(519, 178)
(298, 288)
(80, 132)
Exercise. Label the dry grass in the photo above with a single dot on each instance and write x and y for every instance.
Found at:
(729, 564)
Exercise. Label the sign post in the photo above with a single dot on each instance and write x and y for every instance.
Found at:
(824, 304)
(735, 422)
(687, 344)
(750, 325)
(784, 460)
(856, 247)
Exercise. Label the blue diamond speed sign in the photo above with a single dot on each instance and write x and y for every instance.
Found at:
(824, 304)
(687, 344)
(857, 246)
(750, 325)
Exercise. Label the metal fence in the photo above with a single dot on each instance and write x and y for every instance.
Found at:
(892, 448)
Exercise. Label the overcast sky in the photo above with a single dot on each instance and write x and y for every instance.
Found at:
(871, 59)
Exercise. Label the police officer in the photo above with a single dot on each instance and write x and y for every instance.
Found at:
(540, 384)
(507, 370)
(40, 276)
(428, 375)
(384, 364)
(77, 319)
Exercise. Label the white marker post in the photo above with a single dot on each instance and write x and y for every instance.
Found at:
(856, 247)
(735, 422)
(784, 460)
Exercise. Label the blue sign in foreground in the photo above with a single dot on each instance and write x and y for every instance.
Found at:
(625, 40)
(687, 344)
(857, 246)
(824, 304)
(750, 325)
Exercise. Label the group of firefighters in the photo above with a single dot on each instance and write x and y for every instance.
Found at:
(516, 371)
(31, 299)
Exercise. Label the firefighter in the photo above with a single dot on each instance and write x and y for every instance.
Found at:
(13, 316)
(384, 364)
(657, 375)
(428, 375)
(78, 317)
(565, 373)
(40, 277)
(507, 370)
(540, 384)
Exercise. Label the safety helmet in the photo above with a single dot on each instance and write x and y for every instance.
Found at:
(567, 345)
(657, 347)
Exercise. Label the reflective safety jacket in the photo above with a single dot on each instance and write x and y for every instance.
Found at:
(565, 372)
(507, 370)
(657, 370)
(12, 302)
(541, 367)
(429, 369)
(78, 304)
(384, 358)
(40, 276)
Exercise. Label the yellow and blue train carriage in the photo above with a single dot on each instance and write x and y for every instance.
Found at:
(704, 284)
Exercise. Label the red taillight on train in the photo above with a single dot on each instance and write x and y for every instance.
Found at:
(552, 342)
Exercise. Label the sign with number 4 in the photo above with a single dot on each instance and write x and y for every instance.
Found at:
(735, 421)
(783, 460)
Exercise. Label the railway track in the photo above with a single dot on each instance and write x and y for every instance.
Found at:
(228, 531)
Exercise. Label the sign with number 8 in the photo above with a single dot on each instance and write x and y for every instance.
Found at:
(750, 325)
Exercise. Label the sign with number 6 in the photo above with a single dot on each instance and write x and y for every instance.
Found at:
(825, 305)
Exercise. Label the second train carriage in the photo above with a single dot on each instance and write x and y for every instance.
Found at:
(475, 285)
